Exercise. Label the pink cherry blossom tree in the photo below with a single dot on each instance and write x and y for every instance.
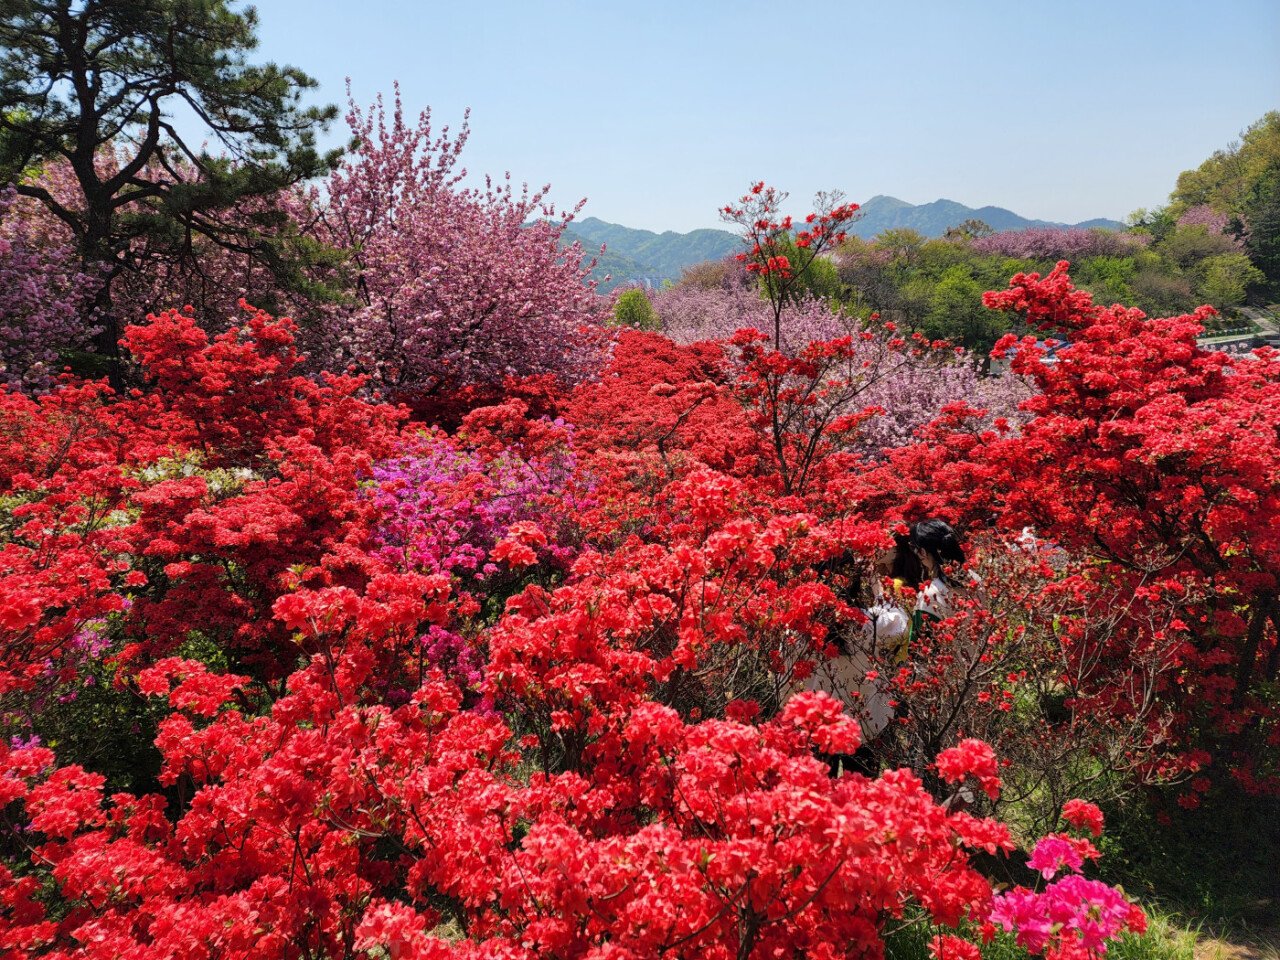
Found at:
(453, 285)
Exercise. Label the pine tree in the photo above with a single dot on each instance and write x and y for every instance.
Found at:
(94, 84)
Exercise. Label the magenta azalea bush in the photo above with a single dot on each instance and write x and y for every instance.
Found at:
(443, 507)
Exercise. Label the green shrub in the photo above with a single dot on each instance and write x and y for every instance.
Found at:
(634, 310)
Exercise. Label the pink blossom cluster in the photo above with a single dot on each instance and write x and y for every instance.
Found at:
(690, 315)
(915, 395)
(1060, 243)
(1203, 215)
(910, 396)
(455, 285)
(1055, 851)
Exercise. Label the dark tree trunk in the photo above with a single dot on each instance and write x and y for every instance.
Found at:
(1253, 641)
(106, 343)
(97, 256)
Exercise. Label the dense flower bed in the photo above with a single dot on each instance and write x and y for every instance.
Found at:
(533, 686)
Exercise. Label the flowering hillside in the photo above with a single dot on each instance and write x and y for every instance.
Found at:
(399, 596)
(538, 685)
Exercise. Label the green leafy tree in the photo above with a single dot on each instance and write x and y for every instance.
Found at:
(1261, 216)
(914, 302)
(1187, 246)
(1159, 290)
(94, 83)
(936, 257)
(1225, 181)
(1157, 223)
(1226, 279)
(970, 229)
(1109, 279)
(957, 313)
(902, 243)
(819, 278)
(634, 310)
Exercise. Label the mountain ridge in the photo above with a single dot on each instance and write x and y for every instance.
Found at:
(933, 219)
(635, 255)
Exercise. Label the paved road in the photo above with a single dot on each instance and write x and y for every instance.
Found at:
(1267, 332)
(1267, 324)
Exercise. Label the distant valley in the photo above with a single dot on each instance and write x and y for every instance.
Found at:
(643, 256)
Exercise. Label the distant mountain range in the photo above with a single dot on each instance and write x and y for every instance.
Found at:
(933, 219)
(642, 256)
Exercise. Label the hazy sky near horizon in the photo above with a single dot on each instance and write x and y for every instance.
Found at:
(660, 112)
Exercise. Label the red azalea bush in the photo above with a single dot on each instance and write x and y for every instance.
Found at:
(661, 406)
(1152, 466)
(188, 507)
(529, 688)
(335, 822)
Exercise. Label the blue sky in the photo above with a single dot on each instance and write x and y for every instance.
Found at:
(659, 112)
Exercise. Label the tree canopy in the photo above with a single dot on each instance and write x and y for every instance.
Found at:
(123, 92)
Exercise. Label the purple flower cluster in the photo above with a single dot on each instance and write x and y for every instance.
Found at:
(461, 658)
(690, 314)
(44, 297)
(916, 394)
